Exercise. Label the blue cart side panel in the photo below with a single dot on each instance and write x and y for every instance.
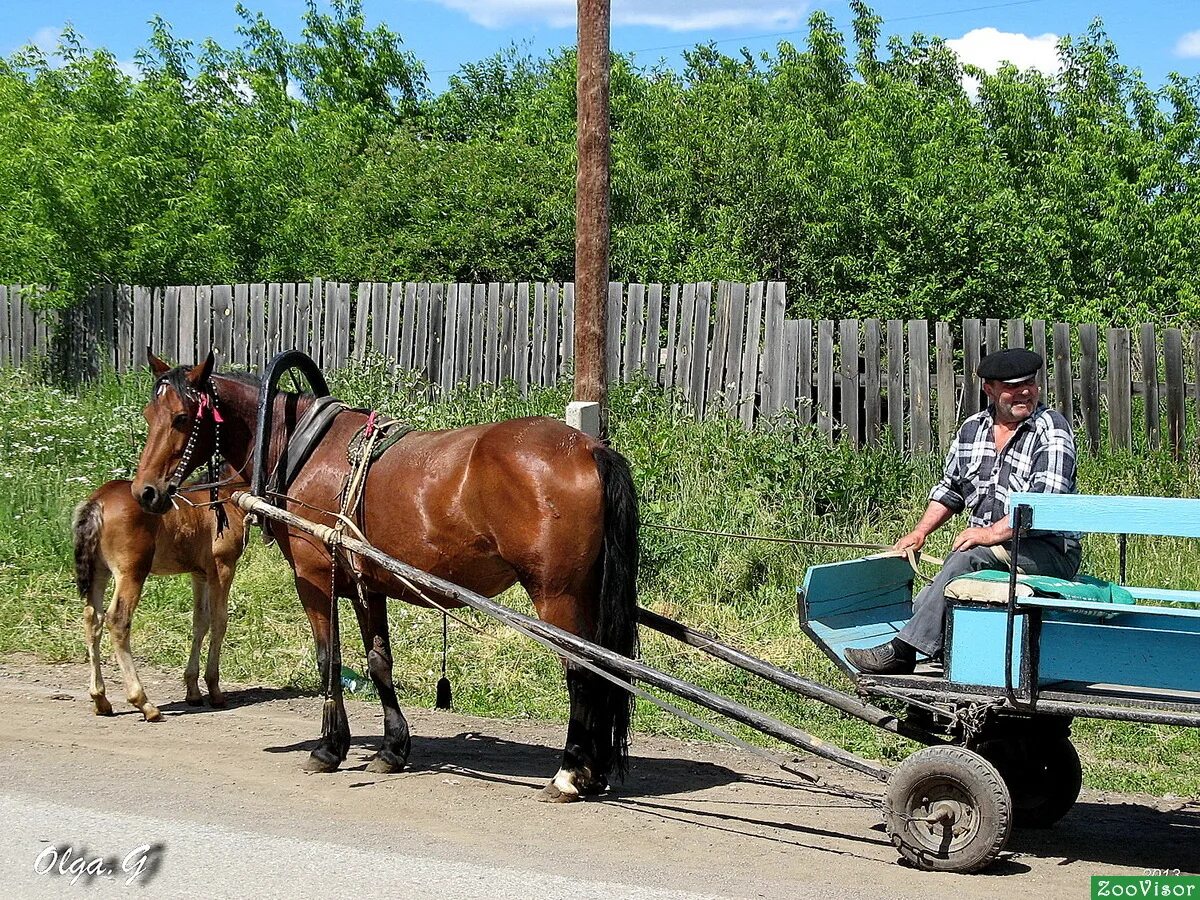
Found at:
(1116, 515)
(1130, 649)
(859, 603)
(976, 653)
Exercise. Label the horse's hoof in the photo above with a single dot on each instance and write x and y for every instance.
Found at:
(551, 794)
(217, 701)
(195, 701)
(322, 761)
(386, 763)
(151, 713)
(594, 787)
(103, 707)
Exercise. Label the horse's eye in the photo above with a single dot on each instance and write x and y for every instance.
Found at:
(180, 421)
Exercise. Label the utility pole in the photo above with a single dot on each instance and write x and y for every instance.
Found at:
(589, 410)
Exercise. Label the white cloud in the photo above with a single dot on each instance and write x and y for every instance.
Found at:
(1189, 45)
(987, 48)
(675, 15)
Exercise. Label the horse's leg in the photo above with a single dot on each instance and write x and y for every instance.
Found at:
(93, 628)
(218, 595)
(334, 744)
(397, 741)
(120, 620)
(200, 623)
(585, 760)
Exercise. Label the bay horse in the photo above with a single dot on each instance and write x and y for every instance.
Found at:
(115, 539)
(528, 500)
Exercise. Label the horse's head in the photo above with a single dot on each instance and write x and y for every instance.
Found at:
(182, 416)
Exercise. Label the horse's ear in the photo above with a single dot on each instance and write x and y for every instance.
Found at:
(157, 366)
(200, 373)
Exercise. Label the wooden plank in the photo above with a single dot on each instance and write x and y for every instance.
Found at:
(550, 359)
(108, 324)
(1120, 427)
(1064, 377)
(787, 377)
(491, 349)
(362, 318)
(1039, 347)
(825, 417)
(142, 324)
(170, 326)
(771, 360)
(635, 318)
(204, 321)
(274, 336)
(918, 409)
(241, 322)
(18, 312)
(187, 325)
(971, 401)
(398, 308)
(615, 313)
(478, 320)
(123, 314)
(732, 379)
(669, 359)
(508, 299)
(567, 355)
(992, 335)
(5, 334)
(258, 321)
(1149, 353)
(449, 337)
(687, 333)
(1114, 514)
(872, 382)
(700, 345)
(521, 342)
(419, 362)
(304, 307)
(895, 387)
(342, 347)
(462, 339)
(1196, 370)
(433, 344)
(538, 336)
(328, 336)
(1176, 390)
(315, 333)
(804, 372)
(947, 402)
(715, 375)
(386, 302)
(1089, 388)
(848, 380)
(750, 349)
(652, 354)
(156, 338)
(1015, 329)
(287, 317)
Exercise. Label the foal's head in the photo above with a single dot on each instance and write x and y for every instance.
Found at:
(181, 415)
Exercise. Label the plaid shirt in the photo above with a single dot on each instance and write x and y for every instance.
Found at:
(1039, 457)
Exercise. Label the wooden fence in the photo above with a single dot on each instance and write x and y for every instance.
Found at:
(727, 351)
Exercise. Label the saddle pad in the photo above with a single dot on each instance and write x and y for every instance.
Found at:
(393, 431)
(309, 431)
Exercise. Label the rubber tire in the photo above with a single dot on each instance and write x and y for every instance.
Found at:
(1043, 778)
(967, 782)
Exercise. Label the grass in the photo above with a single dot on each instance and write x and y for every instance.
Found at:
(56, 445)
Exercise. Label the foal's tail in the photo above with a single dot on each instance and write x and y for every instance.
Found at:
(86, 527)
(617, 627)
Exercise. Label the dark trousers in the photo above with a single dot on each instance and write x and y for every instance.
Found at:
(1049, 554)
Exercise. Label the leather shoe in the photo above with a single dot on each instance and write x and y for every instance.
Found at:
(882, 660)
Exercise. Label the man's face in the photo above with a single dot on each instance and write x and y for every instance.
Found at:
(1014, 402)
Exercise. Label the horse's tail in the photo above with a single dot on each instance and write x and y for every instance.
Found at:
(86, 526)
(617, 628)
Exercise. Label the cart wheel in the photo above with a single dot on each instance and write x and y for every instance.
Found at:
(1043, 778)
(948, 810)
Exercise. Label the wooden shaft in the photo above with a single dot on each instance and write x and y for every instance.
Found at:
(592, 204)
(609, 660)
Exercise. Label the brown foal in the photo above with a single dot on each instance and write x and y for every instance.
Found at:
(115, 539)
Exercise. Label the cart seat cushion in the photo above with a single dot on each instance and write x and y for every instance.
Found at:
(991, 586)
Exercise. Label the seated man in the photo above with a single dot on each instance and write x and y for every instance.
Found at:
(1016, 444)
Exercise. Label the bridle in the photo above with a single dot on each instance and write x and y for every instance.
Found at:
(206, 401)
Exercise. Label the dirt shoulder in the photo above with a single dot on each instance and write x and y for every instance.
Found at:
(690, 817)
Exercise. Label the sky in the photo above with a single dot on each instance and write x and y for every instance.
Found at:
(1156, 36)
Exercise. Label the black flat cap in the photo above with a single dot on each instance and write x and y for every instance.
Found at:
(1014, 365)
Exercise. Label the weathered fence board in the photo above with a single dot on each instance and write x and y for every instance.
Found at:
(1039, 347)
(731, 377)
(825, 377)
(1120, 422)
(508, 297)
(567, 363)
(653, 332)
(848, 357)
(1089, 391)
(491, 350)
(1149, 365)
(895, 387)
(631, 360)
(550, 356)
(947, 408)
(699, 354)
(362, 318)
(1176, 406)
(719, 346)
(918, 410)
(673, 338)
(749, 386)
(1064, 377)
(142, 325)
(970, 403)
(287, 317)
(258, 320)
(612, 332)
(787, 377)
(772, 352)
(521, 344)
(6, 354)
(872, 386)
(241, 323)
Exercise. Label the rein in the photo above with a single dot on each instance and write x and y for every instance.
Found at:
(207, 401)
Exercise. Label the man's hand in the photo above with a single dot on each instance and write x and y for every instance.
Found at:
(976, 537)
(914, 541)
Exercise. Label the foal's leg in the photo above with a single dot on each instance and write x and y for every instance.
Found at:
(200, 623)
(93, 628)
(218, 594)
(334, 744)
(120, 619)
(397, 741)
